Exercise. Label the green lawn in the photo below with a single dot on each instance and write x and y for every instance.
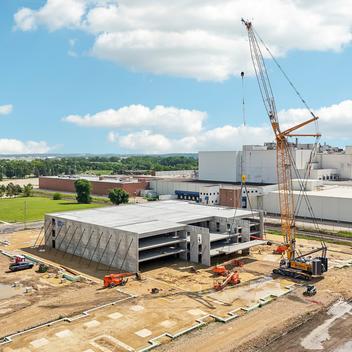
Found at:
(13, 210)
(69, 196)
(98, 172)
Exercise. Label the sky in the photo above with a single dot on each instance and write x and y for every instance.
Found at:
(136, 76)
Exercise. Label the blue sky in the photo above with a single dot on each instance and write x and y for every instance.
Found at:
(55, 74)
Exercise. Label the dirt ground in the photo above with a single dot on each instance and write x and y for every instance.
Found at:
(330, 331)
(185, 300)
(256, 330)
(49, 296)
(47, 299)
(34, 181)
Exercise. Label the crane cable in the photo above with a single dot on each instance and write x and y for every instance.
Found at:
(303, 183)
(286, 76)
(243, 177)
(243, 103)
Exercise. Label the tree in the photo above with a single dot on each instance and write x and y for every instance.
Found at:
(10, 190)
(57, 196)
(83, 190)
(27, 190)
(13, 190)
(118, 196)
(17, 190)
(2, 190)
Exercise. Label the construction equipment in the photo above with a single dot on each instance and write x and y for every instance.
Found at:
(154, 290)
(232, 278)
(220, 270)
(280, 249)
(43, 268)
(237, 262)
(293, 264)
(114, 280)
(310, 291)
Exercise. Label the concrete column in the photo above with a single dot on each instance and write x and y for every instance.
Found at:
(245, 230)
(261, 223)
(194, 247)
(223, 225)
(183, 234)
(206, 249)
(212, 226)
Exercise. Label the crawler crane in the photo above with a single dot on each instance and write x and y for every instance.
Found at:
(293, 263)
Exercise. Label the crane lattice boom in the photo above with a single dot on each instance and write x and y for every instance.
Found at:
(284, 160)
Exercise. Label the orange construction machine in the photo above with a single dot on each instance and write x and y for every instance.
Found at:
(232, 278)
(280, 249)
(220, 270)
(113, 280)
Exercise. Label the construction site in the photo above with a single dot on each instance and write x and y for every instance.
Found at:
(170, 304)
(183, 274)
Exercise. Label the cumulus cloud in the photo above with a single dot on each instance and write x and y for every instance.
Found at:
(201, 39)
(15, 146)
(160, 118)
(335, 121)
(137, 128)
(222, 138)
(6, 109)
(55, 14)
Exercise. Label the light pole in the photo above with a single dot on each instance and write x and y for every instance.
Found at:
(25, 214)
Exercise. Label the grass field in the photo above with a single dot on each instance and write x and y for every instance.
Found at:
(68, 196)
(98, 172)
(13, 210)
(313, 238)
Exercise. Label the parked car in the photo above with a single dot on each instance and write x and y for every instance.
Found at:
(21, 266)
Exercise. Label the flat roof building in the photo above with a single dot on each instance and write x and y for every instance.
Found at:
(101, 186)
(124, 237)
(328, 202)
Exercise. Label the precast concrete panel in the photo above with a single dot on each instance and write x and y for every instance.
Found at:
(98, 244)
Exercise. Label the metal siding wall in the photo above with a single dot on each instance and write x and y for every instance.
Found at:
(223, 166)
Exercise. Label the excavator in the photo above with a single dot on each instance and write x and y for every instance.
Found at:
(293, 263)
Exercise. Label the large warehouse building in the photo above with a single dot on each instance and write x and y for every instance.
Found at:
(329, 202)
(125, 237)
(258, 163)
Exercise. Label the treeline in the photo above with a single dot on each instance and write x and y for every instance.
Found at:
(77, 165)
(11, 190)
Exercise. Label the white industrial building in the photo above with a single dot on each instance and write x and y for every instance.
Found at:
(204, 193)
(125, 237)
(329, 202)
(258, 163)
(339, 162)
(223, 166)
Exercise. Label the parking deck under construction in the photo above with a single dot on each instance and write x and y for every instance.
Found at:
(125, 237)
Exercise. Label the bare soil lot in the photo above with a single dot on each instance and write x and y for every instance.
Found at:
(47, 299)
(258, 311)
